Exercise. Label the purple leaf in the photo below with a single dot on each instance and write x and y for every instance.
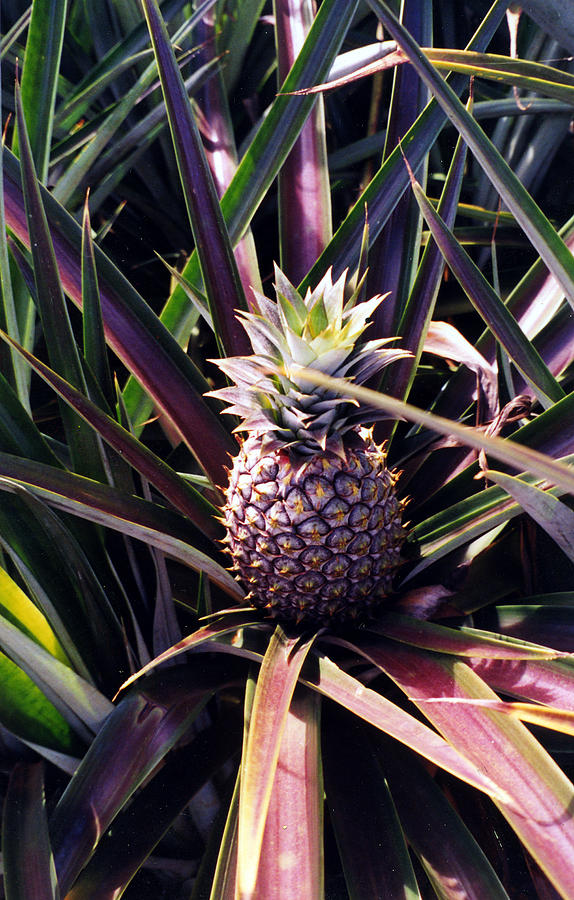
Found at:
(369, 836)
(292, 847)
(134, 739)
(455, 864)
(183, 496)
(279, 673)
(132, 331)
(541, 796)
(304, 195)
(26, 853)
(215, 252)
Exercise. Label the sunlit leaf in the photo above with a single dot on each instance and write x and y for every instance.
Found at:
(275, 686)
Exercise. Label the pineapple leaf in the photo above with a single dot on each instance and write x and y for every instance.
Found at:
(28, 863)
(553, 515)
(534, 781)
(279, 673)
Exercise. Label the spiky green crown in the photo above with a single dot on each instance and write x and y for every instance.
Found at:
(319, 331)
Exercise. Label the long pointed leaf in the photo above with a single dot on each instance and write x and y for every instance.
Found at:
(369, 836)
(275, 685)
(552, 515)
(509, 452)
(542, 796)
(26, 853)
(526, 212)
(40, 76)
(52, 307)
(216, 260)
(489, 305)
(455, 865)
(176, 489)
(134, 739)
(133, 332)
(292, 847)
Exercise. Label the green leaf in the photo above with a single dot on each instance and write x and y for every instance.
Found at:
(26, 712)
(553, 516)
(523, 73)
(17, 608)
(526, 212)
(40, 76)
(95, 350)
(78, 701)
(489, 305)
(28, 863)
(56, 324)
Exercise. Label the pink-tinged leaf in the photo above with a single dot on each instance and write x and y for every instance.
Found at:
(178, 491)
(135, 738)
(291, 860)
(324, 676)
(444, 340)
(389, 61)
(304, 191)
(215, 252)
(227, 625)
(214, 122)
(561, 720)
(368, 832)
(553, 516)
(132, 331)
(464, 642)
(332, 682)
(278, 677)
(550, 683)
(455, 865)
(541, 796)
(26, 852)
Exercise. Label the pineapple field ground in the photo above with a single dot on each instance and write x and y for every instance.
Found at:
(286, 450)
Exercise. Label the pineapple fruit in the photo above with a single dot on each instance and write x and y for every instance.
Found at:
(314, 526)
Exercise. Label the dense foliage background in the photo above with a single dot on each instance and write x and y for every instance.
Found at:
(158, 160)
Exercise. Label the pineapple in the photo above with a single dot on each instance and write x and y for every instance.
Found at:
(314, 526)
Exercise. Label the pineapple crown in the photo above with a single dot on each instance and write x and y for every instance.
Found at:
(319, 331)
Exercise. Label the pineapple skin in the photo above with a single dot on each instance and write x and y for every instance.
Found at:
(317, 539)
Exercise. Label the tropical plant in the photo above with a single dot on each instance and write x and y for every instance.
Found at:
(405, 730)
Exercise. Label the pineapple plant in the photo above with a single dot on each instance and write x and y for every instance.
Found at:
(313, 522)
(266, 761)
